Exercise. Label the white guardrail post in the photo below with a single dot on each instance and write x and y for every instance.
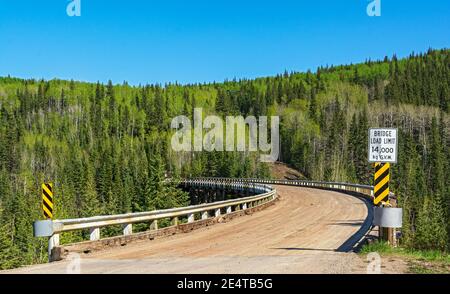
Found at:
(53, 242)
(128, 229)
(94, 234)
(154, 225)
(191, 218)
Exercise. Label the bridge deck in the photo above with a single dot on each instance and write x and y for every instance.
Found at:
(303, 233)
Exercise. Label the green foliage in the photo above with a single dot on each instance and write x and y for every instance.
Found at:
(383, 247)
(418, 261)
(9, 253)
(431, 226)
(377, 246)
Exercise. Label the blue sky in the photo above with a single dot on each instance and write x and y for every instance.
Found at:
(146, 41)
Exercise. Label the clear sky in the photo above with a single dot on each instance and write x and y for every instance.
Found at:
(147, 41)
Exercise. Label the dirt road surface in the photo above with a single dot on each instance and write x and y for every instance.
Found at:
(306, 231)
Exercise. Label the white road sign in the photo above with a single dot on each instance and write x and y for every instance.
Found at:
(383, 145)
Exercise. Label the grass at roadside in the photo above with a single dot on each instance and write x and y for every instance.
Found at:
(419, 261)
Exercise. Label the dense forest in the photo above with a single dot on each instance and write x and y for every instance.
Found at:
(107, 149)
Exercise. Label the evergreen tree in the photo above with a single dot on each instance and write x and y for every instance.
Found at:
(313, 105)
(436, 164)
(10, 256)
(90, 204)
(431, 226)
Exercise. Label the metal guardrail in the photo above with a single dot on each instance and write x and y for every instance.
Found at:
(265, 194)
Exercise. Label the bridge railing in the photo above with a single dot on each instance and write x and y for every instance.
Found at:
(365, 190)
(265, 194)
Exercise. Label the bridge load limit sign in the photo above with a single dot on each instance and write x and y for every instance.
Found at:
(383, 145)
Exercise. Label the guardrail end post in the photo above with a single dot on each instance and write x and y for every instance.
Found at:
(191, 218)
(127, 229)
(94, 234)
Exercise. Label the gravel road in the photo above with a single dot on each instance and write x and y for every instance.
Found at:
(306, 231)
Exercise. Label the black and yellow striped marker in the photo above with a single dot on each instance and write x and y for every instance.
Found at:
(47, 200)
(382, 177)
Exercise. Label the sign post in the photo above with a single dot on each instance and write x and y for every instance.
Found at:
(383, 145)
(383, 151)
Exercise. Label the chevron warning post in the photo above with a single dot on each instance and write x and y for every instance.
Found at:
(381, 183)
(47, 200)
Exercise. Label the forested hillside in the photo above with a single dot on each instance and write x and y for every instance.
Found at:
(107, 149)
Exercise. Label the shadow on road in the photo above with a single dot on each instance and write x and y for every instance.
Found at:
(352, 242)
(348, 224)
(304, 249)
